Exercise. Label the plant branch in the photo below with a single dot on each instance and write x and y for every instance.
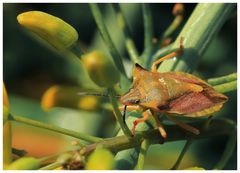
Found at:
(118, 114)
(226, 87)
(222, 79)
(98, 17)
(129, 43)
(148, 30)
(202, 26)
(81, 136)
(52, 166)
(142, 154)
(119, 143)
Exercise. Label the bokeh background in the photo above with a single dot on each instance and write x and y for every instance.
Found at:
(30, 68)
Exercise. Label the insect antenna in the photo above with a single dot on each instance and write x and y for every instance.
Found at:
(124, 114)
(96, 94)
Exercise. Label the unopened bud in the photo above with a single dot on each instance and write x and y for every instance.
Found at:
(101, 69)
(25, 163)
(52, 29)
(100, 159)
(178, 9)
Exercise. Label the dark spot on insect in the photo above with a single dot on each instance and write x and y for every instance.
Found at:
(134, 101)
(163, 107)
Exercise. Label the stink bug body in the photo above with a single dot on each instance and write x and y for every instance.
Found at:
(171, 92)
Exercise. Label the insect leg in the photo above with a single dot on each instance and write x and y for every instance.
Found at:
(135, 123)
(124, 114)
(171, 55)
(130, 108)
(184, 126)
(160, 127)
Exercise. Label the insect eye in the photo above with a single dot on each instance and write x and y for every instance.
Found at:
(136, 101)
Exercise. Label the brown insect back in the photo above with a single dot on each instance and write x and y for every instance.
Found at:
(171, 93)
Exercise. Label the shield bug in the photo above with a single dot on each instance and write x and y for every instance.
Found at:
(170, 93)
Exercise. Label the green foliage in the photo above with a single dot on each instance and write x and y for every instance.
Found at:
(114, 76)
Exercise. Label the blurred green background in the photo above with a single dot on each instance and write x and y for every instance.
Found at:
(29, 69)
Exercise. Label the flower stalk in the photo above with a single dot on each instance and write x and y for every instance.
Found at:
(82, 136)
(129, 43)
(106, 37)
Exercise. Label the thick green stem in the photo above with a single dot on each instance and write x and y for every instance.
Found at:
(226, 87)
(81, 136)
(118, 114)
(129, 43)
(148, 30)
(106, 38)
(51, 166)
(119, 143)
(200, 29)
(142, 154)
(222, 79)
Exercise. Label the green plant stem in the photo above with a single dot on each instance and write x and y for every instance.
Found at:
(129, 43)
(222, 79)
(106, 38)
(148, 30)
(119, 143)
(158, 54)
(75, 49)
(81, 136)
(118, 114)
(227, 152)
(142, 154)
(171, 28)
(202, 26)
(51, 166)
(183, 152)
(226, 87)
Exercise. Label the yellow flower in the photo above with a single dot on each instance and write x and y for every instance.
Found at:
(66, 96)
(100, 159)
(52, 29)
(101, 69)
(25, 163)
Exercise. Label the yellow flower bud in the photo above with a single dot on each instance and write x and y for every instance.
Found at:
(52, 29)
(100, 159)
(101, 69)
(194, 168)
(178, 9)
(5, 114)
(7, 144)
(7, 131)
(25, 163)
(63, 96)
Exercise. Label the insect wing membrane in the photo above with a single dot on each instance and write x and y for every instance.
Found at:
(193, 103)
